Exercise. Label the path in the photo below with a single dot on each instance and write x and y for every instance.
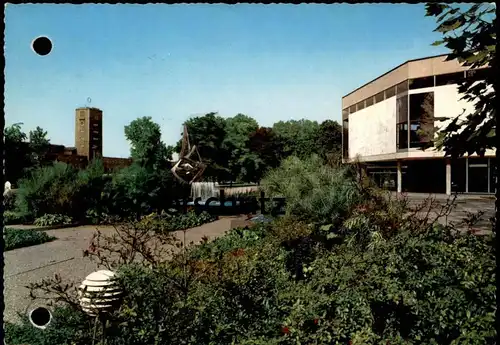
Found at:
(65, 257)
(462, 205)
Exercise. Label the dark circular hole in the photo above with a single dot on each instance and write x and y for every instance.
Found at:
(40, 316)
(42, 46)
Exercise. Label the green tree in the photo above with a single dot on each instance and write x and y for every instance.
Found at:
(297, 136)
(470, 34)
(147, 148)
(329, 138)
(208, 133)
(264, 153)
(17, 153)
(39, 145)
(238, 130)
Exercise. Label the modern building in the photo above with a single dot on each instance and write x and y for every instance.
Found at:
(388, 121)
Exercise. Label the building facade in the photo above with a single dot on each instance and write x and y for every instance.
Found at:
(388, 122)
(88, 132)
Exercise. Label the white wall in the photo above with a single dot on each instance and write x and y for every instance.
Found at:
(447, 103)
(372, 131)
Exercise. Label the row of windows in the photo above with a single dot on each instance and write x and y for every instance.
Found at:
(418, 83)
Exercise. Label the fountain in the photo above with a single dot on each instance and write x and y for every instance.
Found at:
(204, 190)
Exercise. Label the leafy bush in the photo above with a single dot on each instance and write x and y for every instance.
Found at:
(13, 218)
(9, 200)
(18, 238)
(167, 222)
(312, 190)
(434, 288)
(66, 325)
(233, 240)
(136, 190)
(49, 190)
(187, 220)
(52, 220)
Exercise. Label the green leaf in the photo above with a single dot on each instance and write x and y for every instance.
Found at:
(326, 227)
(434, 9)
(438, 43)
(450, 25)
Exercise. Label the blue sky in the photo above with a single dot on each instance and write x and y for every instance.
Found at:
(171, 62)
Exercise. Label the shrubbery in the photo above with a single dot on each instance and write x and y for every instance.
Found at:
(13, 218)
(354, 268)
(18, 238)
(91, 196)
(313, 190)
(52, 219)
(186, 221)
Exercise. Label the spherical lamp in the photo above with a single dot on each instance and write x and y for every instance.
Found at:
(99, 293)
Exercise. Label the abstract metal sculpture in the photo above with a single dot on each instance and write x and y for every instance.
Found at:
(188, 169)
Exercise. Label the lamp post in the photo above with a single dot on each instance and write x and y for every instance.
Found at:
(99, 295)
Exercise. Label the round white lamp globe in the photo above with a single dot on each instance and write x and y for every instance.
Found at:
(99, 293)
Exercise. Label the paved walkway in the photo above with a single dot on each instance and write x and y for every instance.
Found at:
(464, 204)
(65, 257)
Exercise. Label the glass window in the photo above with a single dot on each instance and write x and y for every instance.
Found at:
(360, 105)
(369, 101)
(421, 119)
(402, 108)
(478, 175)
(352, 109)
(478, 74)
(449, 78)
(420, 83)
(379, 97)
(402, 136)
(402, 87)
(402, 122)
(345, 139)
(345, 113)
(390, 92)
(493, 175)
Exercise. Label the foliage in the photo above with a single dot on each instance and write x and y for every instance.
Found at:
(238, 130)
(188, 220)
(175, 222)
(18, 238)
(52, 220)
(329, 138)
(13, 218)
(419, 283)
(147, 149)
(39, 145)
(298, 137)
(313, 190)
(265, 152)
(136, 191)
(208, 133)
(235, 239)
(471, 36)
(9, 200)
(49, 190)
(238, 149)
(92, 182)
(66, 325)
(17, 153)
